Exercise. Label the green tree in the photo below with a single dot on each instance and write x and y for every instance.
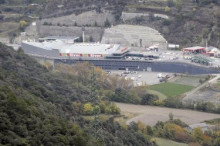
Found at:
(149, 130)
(170, 3)
(217, 142)
(107, 23)
(178, 4)
(148, 99)
(197, 134)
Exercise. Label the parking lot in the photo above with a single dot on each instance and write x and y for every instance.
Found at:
(142, 78)
(165, 55)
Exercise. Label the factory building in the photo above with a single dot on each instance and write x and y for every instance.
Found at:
(88, 50)
(67, 48)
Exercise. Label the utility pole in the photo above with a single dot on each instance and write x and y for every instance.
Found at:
(96, 124)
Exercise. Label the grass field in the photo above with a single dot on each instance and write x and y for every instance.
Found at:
(214, 121)
(165, 142)
(189, 80)
(160, 95)
(171, 89)
(218, 84)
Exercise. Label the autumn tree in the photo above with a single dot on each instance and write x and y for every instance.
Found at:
(22, 25)
(88, 108)
(197, 134)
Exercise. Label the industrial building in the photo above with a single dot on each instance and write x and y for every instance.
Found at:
(61, 47)
(209, 51)
(196, 49)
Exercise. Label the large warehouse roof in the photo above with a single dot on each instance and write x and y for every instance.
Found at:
(72, 49)
(89, 48)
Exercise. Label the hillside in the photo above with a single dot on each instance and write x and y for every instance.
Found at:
(37, 108)
(189, 23)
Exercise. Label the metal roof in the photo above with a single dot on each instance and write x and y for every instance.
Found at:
(59, 38)
(89, 48)
(76, 48)
(194, 48)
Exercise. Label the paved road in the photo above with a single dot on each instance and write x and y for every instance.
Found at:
(151, 114)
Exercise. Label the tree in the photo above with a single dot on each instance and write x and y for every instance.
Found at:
(171, 116)
(107, 23)
(170, 3)
(88, 108)
(167, 9)
(205, 32)
(217, 142)
(149, 99)
(197, 134)
(22, 25)
(141, 126)
(149, 130)
(151, 17)
(117, 17)
(178, 4)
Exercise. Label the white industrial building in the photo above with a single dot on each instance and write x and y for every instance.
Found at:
(56, 47)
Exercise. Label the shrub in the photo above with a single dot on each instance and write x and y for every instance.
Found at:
(166, 22)
(170, 3)
(22, 25)
(167, 9)
(107, 23)
(149, 99)
(88, 109)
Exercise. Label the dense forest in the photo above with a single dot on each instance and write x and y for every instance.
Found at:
(42, 107)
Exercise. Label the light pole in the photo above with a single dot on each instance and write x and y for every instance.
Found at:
(83, 36)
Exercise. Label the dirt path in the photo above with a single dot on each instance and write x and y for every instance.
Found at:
(189, 94)
(151, 114)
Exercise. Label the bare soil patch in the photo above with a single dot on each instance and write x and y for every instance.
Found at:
(151, 114)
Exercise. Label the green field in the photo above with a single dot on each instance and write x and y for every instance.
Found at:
(165, 142)
(159, 94)
(171, 89)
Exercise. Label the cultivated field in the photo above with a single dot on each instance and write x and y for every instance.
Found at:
(165, 142)
(151, 114)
